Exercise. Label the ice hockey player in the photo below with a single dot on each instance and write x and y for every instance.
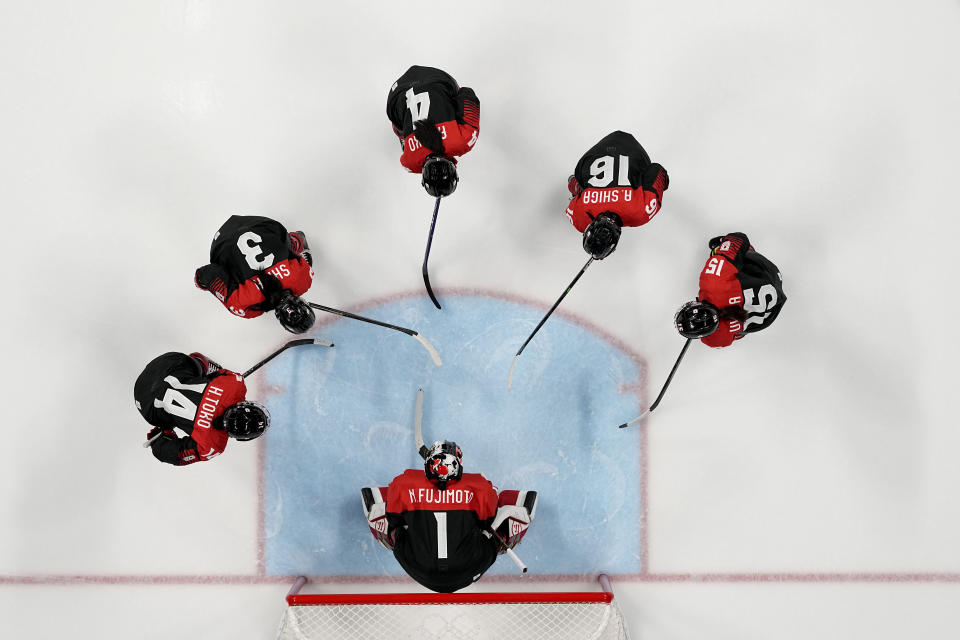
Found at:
(741, 292)
(613, 186)
(196, 395)
(439, 524)
(436, 120)
(256, 266)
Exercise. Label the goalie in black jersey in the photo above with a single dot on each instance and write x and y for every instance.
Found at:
(446, 527)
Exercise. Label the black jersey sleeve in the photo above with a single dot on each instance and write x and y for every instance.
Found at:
(468, 107)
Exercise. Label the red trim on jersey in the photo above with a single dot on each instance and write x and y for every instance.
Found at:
(294, 273)
(635, 207)
(720, 287)
(412, 491)
(227, 389)
(458, 139)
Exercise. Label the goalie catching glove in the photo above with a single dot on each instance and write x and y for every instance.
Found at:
(515, 511)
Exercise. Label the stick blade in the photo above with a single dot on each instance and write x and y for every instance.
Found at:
(322, 343)
(635, 420)
(430, 349)
(510, 373)
(426, 281)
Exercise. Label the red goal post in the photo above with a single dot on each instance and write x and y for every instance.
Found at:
(435, 616)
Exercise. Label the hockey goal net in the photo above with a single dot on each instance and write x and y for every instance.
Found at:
(453, 616)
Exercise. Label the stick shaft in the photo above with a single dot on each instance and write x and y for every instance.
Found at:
(418, 426)
(513, 556)
(686, 345)
(555, 305)
(353, 316)
(426, 254)
(292, 343)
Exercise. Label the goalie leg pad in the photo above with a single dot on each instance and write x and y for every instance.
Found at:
(375, 509)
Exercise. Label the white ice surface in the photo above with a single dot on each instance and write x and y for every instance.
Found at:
(824, 448)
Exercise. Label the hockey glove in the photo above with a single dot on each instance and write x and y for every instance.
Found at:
(375, 509)
(514, 514)
(428, 135)
(573, 187)
(166, 434)
(207, 366)
(272, 291)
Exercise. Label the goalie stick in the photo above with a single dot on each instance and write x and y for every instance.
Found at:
(426, 255)
(292, 343)
(423, 451)
(410, 332)
(665, 385)
(555, 305)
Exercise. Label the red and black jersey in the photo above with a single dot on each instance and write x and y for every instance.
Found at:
(440, 540)
(251, 263)
(172, 392)
(737, 276)
(432, 95)
(616, 176)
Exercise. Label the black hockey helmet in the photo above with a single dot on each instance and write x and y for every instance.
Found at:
(443, 463)
(601, 236)
(439, 176)
(696, 319)
(246, 420)
(294, 314)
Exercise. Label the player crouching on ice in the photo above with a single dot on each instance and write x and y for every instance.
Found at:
(613, 186)
(741, 292)
(256, 266)
(446, 527)
(436, 121)
(196, 395)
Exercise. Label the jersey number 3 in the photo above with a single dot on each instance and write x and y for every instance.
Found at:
(249, 245)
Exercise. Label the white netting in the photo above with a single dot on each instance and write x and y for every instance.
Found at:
(496, 621)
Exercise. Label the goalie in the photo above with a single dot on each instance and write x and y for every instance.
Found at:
(446, 527)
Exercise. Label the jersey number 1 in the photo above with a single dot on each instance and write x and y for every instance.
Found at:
(441, 517)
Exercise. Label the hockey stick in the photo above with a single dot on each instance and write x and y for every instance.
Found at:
(513, 556)
(555, 305)
(665, 385)
(426, 256)
(418, 427)
(293, 343)
(410, 332)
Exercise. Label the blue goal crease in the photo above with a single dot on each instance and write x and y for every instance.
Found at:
(343, 420)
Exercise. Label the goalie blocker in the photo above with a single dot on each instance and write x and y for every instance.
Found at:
(443, 537)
